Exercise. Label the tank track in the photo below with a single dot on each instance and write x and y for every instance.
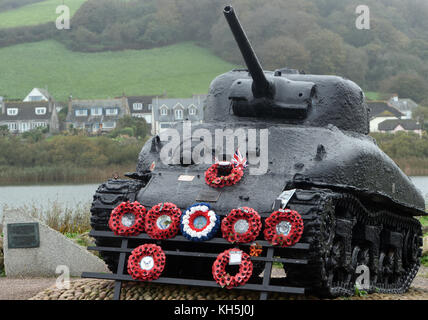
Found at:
(344, 233)
(107, 197)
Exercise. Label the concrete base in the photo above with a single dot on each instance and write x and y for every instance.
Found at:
(55, 250)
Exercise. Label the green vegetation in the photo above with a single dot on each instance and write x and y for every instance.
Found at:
(132, 127)
(318, 36)
(72, 159)
(370, 95)
(75, 220)
(360, 292)
(424, 260)
(179, 70)
(408, 150)
(36, 13)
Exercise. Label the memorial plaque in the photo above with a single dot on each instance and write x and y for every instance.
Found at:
(23, 235)
(208, 196)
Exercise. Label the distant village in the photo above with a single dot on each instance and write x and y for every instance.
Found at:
(97, 116)
(39, 109)
(394, 115)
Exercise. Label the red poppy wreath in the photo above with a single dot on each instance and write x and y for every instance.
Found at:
(163, 221)
(223, 278)
(127, 219)
(221, 174)
(284, 228)
(241, 225)
(146, 262)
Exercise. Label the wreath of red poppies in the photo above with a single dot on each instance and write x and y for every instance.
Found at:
(127, 219)
(223, 278)
(287, 234)
(215, 181)
(246, 219)
(163, 221)
(146, 262)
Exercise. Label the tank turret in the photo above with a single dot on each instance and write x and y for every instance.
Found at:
(265, 95)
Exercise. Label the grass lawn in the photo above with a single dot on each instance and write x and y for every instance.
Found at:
(181, 70)
(371, 95)
(36, 13)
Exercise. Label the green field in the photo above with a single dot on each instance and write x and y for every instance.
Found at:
(37, 13)
(371, 95)
(181, 70)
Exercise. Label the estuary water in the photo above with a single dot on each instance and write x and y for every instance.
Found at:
(70, 196)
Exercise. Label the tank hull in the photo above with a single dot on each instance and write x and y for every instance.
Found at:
(296, 156)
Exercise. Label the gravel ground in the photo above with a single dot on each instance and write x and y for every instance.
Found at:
(92, 289)
(22, 289)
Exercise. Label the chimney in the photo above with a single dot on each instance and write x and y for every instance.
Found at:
(125, 106)
(70, 99)
(50, 104)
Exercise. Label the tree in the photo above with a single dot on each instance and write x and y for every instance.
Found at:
(327, 52)
(406, 86)
(283, 51)
(132, 126)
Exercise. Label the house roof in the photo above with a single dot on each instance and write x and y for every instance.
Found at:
(88, 104)
(403, 104)
(105, 103)
(26, 111)
(407, 124)
(380, 107)
(145, 100)
(45, 93)
(197, 101)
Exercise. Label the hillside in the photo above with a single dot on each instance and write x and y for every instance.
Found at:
(36, 13)
(181, 70)
(317, 36)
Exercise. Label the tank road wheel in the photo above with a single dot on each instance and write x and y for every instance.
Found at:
(337, 273)
(386, 267)
(344, 233)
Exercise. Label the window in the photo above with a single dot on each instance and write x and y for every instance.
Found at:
(25, 126)
(150, 107)
(109, 125)
(192, 111)
(178, 114)
(12, 111)
(40, 111)
(36, 98)
(138, 106)
(111, 112)
(38, 124)
(12, 126)
(81, 113)
(164, 111)
(97, 111)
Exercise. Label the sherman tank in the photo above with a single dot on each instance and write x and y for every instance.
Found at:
(311, 153)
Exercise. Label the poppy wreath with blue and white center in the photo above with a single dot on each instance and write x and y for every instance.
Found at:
(241, 225)
(146, 262)
(284, 228)
(163, 221)
(127, 219)
(199, 222)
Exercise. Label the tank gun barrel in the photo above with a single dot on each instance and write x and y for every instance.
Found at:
(261, 86)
